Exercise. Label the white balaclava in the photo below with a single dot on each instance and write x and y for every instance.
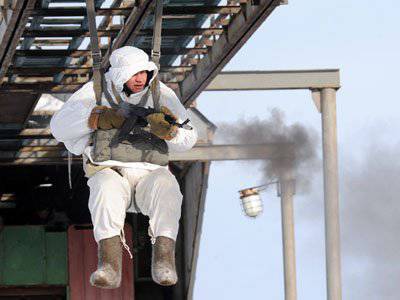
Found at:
(126, 62)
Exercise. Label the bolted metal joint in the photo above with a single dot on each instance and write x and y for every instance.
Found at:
(96, 56)
(289, 185)
(156, 54)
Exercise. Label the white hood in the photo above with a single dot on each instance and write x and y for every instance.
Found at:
(126, 62)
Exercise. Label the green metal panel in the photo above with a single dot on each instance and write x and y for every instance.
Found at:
(31, 256)
(56, 258)
(23, 256)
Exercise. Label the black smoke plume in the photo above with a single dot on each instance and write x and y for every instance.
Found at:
(370, 206)
(275, 130)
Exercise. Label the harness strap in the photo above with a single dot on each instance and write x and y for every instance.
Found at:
(144, 99)
(109, 98)
(96, 57)
(155, 92)
(156, 51)
(116, 94)
(96, 54)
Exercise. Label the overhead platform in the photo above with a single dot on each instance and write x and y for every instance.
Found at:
(45, 44)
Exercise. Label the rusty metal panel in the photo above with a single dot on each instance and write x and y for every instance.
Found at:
(15, 108)
(82, 254)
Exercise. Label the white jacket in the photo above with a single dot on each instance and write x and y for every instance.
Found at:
(70, 124)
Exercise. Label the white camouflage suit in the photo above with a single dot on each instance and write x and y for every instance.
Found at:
(153, 187)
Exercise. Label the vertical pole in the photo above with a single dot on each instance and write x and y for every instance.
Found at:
(286, 183)
(331, 194)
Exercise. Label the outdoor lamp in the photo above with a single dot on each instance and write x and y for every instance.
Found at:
(251, 200)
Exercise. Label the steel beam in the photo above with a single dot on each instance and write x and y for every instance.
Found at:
(168, 11)
(31, 133)
(12, 35)
(37, 161)
(8, 19)
(46, 71)
(60, 32)
(55, 154)
(198, 153)
(226, 81)
(331, 193)
(239, 30)
(275, 80)
(66, 81)
(43, 42)
(200, 10)
(287, 190)
(80, 53)
(52, 88)
(10, 126)
(64, 21)
(113, 32)
(262, 80)
(233, 152)
(52, 53)
(79, 12)
(28, 142)
(44, 148)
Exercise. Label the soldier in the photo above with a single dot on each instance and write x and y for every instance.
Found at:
(133, 176)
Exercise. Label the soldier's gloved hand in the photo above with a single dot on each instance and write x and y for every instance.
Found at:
(160, 127)
(103, 117)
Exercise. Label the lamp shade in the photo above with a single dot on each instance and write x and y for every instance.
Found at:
(251, 202)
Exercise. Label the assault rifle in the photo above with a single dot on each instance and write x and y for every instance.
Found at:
(136, 116)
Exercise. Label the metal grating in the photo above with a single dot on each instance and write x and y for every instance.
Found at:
(52, 52)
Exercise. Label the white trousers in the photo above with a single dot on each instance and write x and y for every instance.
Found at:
(113, 193)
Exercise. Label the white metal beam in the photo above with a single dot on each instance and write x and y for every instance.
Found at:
(57, 154)
(275, 80)
(234, 152)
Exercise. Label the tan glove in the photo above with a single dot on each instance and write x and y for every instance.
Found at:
(160, 127)
(103, 117)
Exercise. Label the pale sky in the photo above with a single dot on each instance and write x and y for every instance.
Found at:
(241, 258)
